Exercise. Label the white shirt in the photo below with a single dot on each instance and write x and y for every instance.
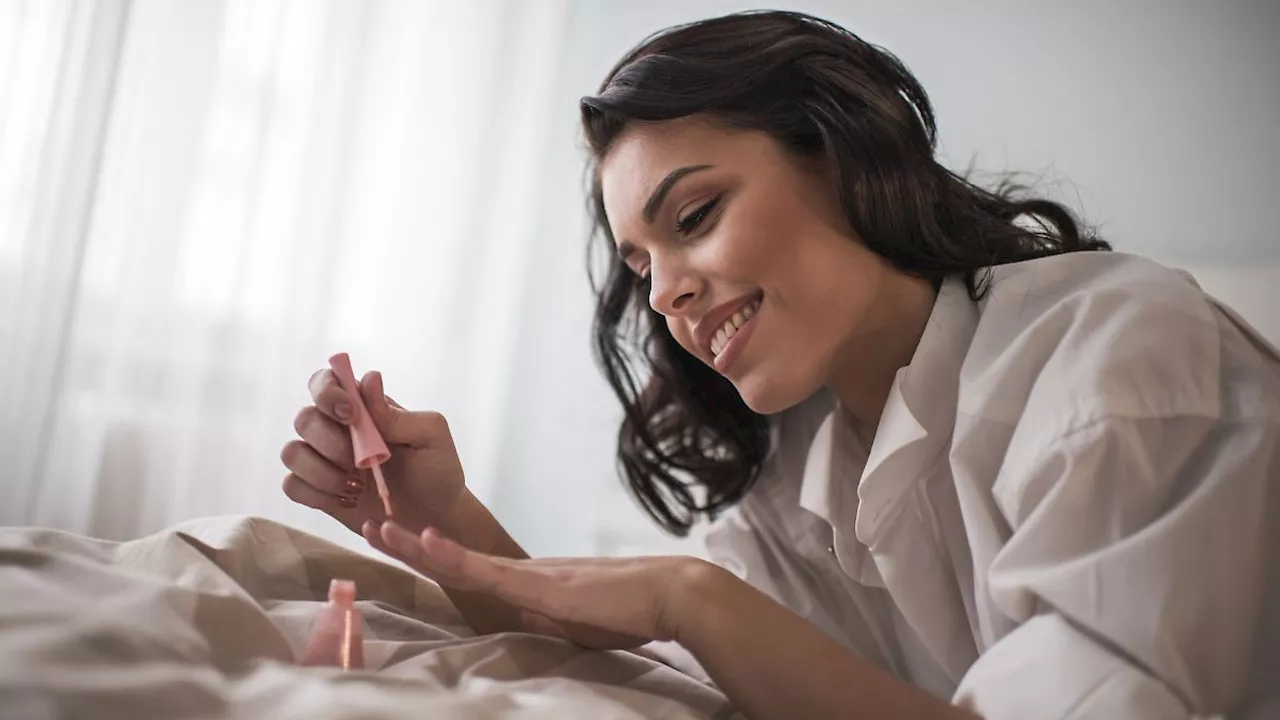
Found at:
(1071, 507)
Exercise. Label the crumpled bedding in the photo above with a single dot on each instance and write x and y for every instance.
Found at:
(205, 620)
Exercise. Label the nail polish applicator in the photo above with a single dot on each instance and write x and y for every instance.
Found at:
(370, 451)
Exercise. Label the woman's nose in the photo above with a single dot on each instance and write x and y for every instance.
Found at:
(672, 290)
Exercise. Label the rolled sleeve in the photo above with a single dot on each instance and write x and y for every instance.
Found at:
(1048, 669)
(1134, 573)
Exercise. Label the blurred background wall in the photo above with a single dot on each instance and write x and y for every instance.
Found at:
(200, 200)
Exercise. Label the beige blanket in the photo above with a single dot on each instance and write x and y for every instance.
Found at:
(204, 620)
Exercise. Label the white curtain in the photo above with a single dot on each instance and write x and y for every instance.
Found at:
(201, 200)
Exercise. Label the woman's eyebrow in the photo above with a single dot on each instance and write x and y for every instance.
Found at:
(656, 198)
(660, 192)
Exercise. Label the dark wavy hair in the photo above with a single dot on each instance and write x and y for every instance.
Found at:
(688, 444)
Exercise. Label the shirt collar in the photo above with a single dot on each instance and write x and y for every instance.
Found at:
(836, 456)
(918, 415)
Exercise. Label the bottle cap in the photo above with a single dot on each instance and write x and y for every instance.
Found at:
(369, 448)
(342, 592)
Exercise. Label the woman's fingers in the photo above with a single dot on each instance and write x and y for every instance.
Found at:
(303, 493)
(520, 582)
(393, 540)
(375, 396)
(329, 397)
(424, 429)
(402, 544)
(525, 583)
(548, 604)
(328, 437)
(372, 533)
(447, 563)
(309, 466)
(374, 393)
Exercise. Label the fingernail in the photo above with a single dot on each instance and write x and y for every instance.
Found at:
(354, 487)
(348, 502)
(399, 535)
(395, 537)
(343, 411)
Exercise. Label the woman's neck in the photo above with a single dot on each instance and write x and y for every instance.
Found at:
(865, 370)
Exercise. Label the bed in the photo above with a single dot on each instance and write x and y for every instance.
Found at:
(205, 620)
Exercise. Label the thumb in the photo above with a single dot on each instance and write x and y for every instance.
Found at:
(397, 425)
(381, 409)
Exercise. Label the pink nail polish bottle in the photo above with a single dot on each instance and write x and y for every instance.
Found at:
(337, 638)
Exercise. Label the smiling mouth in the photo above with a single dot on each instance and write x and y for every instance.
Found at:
(723, 348)
(731, 326)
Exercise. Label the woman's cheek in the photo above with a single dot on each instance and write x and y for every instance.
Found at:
(679, 329)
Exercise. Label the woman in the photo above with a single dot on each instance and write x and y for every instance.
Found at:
(974, 462)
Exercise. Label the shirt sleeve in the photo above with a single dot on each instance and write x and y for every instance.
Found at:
(752, 542)
(1135, 571)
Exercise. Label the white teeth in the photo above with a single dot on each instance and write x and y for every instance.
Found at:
(731, 326)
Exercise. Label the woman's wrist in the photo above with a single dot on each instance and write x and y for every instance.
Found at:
(690, 610)
(461, 521)
(469, 523)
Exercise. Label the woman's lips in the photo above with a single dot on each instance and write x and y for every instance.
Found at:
(732, 349)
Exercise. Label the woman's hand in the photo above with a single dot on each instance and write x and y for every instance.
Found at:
(603, 603)
(770, 662)
(423, 475)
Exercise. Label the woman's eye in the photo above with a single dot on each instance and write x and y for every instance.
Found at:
(640, 270)
(690, 222)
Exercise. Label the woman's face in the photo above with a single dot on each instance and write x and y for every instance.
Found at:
(751, 260)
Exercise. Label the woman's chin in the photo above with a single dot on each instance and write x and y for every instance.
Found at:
(767, 398)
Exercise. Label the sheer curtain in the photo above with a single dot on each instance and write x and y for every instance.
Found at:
(200, 201)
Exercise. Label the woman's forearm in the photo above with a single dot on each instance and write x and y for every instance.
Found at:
(774, 664)
(473, 526)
